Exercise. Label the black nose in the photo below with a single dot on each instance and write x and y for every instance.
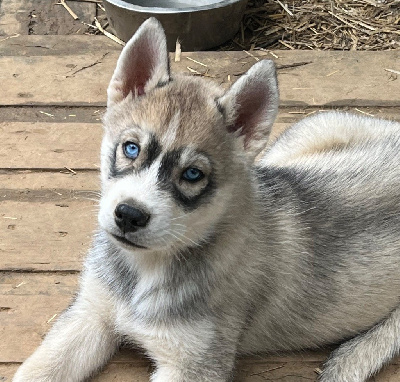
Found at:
(129, 218)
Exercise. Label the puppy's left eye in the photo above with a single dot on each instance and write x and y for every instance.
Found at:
(131, 150)
(192, 174)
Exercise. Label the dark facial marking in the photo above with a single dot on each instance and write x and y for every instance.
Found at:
(153, 150)
(110, 266)
(127, 242)
(192, 202)
(113, 159)
(114, 172)
(171, 160)
(169, 68)
(220, 108)
(161, 84)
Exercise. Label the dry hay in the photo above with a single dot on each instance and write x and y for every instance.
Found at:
(312, 24)
(319, 25)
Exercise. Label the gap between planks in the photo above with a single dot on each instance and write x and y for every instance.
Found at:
(49, 113)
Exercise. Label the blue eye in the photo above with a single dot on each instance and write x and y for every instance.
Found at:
(131, 150)
(192, 174)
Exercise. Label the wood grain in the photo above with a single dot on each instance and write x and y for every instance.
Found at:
(45, 235)
(44, 17)
(81, 78)
(50, 145)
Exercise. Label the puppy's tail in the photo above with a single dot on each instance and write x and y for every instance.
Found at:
(360, 358)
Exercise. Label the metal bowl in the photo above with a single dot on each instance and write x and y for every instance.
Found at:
(198, 24)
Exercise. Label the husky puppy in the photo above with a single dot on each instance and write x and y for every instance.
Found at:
(203, 254)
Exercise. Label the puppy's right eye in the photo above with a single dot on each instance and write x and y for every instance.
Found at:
(131, 150)
(192, 174)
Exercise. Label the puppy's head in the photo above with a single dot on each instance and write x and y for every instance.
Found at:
(176, 149)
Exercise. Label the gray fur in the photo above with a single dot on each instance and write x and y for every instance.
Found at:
(110, 268)
(295, 251)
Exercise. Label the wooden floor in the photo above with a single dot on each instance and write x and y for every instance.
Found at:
(53, 92)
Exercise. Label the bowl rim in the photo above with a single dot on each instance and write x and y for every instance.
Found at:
(159, 10)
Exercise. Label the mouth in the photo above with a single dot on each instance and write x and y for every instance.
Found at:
(127, 242)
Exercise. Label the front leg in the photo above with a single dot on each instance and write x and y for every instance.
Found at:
(193, 352)
(80, 342)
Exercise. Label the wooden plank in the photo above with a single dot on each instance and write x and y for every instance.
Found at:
(289, 373)
(50, 145)
(44, 17)
(50, 18)
(41, 46)
(112, 373)
(47, 295)
(46, 220)
(299, 371)
(329, 78)
(13, 17)
(45, 235)
(81, 114)
(77, 145)
(28, 185)
(92, 114)
(28, 302)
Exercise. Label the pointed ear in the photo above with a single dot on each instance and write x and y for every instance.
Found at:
(251, 105)
(142, 65)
